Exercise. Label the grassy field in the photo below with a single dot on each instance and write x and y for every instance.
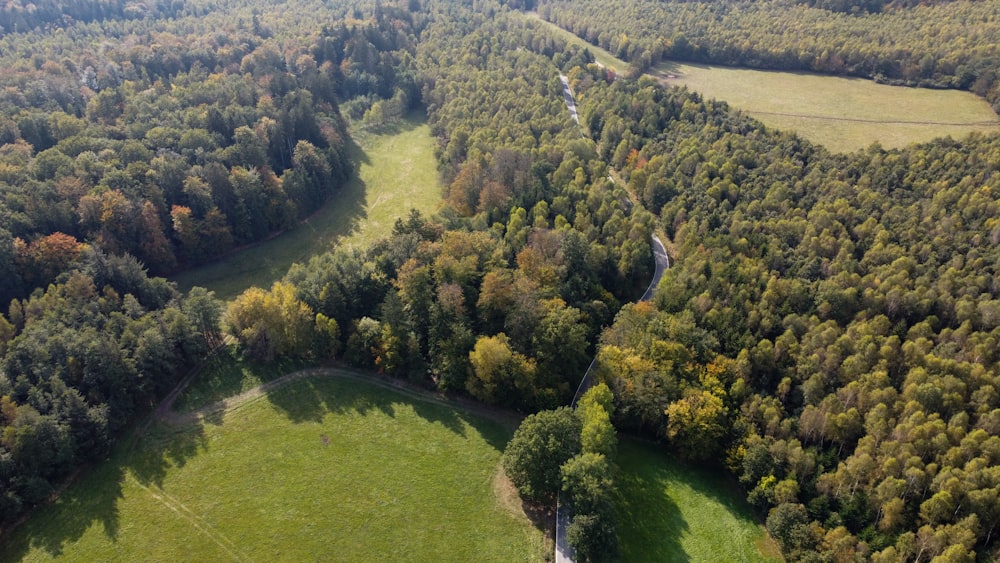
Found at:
(397, 172)
(227, 374)
(323, 468)
(673, 512)
(602, 57)
(843, 114)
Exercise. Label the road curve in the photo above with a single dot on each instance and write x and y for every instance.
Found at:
(564, 553)
(662, 263)
(568, 96)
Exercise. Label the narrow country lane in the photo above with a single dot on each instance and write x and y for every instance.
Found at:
(564, 553)
(568, 96)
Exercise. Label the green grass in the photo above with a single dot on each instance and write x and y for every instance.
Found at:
(397, 172)
(324, 468)
(668, 511)
(842, 114)
(601, 56)
(227, 374)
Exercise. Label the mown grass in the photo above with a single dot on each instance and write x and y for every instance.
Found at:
(323, 468)
(227, 374)
(842, 114)
(396, 172)
(668, 511)
(602, 57)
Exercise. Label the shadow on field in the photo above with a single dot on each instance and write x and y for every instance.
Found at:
(649, 520)
(164, 447)
(313, 398)
(92, 498)
(228, 374)
(153, 451)
(648, 512)
(263, 263)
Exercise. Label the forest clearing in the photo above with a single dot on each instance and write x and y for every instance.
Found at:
(842, 114)
(325, 466)
(395, 174)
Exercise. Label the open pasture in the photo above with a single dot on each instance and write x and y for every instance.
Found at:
(669, 511)
(324, 468)
(842, 114)
(397, 171)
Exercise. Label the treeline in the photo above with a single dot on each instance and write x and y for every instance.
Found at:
(857, 7)
(80, 360)
(19, 16)
(182, 141)
(534, 250)
(941, 45)
(572, 452)
(830, 326)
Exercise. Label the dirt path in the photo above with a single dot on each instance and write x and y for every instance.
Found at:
(165, 413)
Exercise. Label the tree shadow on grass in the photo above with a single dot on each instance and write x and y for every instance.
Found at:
(147, 457)
(265, 262)
(164, 447)
(650, 524)
(228, 374)
(313, 398)
(413, 119)
(93, 497)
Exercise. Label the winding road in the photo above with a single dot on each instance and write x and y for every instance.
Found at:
(568, 96)
(564, 553)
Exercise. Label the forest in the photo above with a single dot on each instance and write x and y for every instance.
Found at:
(931, 44)
(828, 331)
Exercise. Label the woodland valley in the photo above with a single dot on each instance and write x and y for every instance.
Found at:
(816, 376)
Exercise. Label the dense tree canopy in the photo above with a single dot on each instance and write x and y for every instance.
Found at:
(540, 446)
(198, 128)
(828, 320)
(829, 327)
(81, 359)
(934, 44)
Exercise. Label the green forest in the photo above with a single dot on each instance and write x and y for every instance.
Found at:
(828, 332)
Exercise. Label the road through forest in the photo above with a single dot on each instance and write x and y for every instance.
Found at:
(564, 553)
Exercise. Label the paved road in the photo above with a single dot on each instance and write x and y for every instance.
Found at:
(662, 263)
(564, 553)
(568, 96)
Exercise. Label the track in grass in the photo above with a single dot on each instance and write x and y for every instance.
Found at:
(668, 512)
(842, 114)
(397, 171)
(321, 468)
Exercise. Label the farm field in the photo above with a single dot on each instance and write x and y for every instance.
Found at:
(842, 114)
(396, 172)
(321, 468)
(668, 511)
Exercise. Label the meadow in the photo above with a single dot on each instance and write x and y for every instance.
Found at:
(668, 511)
(396, 172)
(842, 114)
(324, 468)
